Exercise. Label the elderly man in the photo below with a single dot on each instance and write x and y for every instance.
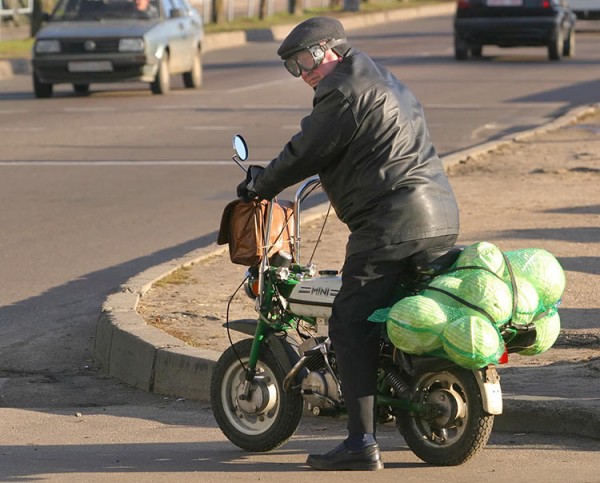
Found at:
(367, 139)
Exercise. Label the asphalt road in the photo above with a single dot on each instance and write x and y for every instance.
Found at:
(96, 189)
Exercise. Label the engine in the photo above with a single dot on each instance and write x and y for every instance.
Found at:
(320, 387)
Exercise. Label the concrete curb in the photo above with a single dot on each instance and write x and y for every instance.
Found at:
(149, 359)
(223, 40)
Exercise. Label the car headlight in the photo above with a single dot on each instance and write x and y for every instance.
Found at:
(131, 45)
(47, 47)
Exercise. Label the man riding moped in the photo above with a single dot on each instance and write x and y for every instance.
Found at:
(368, 141)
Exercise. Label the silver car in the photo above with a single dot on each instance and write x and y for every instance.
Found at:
(92, 41)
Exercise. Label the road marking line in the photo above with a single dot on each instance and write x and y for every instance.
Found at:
(89, 109)
(260, 85)
(123, 163)
(212, 128)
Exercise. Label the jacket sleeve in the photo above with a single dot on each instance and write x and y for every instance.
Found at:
(324, 135)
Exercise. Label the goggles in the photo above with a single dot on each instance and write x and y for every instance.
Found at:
(306, 60)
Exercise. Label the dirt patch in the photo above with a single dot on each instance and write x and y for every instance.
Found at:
(540, 193)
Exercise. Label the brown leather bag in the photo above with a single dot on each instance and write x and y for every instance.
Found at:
(243, 225)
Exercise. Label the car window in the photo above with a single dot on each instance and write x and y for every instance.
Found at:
(85, 10)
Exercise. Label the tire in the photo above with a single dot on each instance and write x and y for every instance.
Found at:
(476, 50)
(41, 89)
(459, 430)
(162, 81)
(276, 414)
(569, 45)
(81, 88)
(193, 78)
(555, 46)
(461, 49)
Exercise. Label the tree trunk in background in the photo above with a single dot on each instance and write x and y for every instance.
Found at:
(218, 11)
(262, 9)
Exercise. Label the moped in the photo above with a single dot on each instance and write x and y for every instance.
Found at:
(261, 386)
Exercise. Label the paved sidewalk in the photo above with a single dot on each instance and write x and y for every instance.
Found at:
(558, 391)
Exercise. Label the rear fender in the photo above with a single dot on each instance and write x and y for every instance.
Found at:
(488, 381)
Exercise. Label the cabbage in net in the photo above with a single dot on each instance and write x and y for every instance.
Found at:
(547, 331)
(542, 270)
(472, 342)
(482, 254)
(415, 323)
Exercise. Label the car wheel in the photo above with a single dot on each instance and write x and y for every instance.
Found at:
(162, 81)
(461, 49)
(555, 46)
(41, 89)
(81, 88)
(193, 78)
(569, 45)
(476, 50)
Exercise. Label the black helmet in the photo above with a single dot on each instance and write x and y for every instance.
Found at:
(311, 32)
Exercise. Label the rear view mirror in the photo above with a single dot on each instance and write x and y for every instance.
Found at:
(240, 147)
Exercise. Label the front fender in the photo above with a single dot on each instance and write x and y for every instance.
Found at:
(283, 348)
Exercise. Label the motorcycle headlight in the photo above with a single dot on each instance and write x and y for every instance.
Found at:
(47, 47)
(131, 45)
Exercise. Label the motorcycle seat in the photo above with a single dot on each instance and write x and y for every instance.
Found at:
(432, 263)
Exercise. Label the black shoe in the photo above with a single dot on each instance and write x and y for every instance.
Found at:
(341, 458)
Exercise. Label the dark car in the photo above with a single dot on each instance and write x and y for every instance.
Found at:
(92, 41)
(514, 23)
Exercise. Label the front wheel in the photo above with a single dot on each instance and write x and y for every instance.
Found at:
(456, 427)
(162, 81)
(265, 419)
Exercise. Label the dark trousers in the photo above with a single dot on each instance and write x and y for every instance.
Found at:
(368, 282)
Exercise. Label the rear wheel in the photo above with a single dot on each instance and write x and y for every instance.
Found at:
(569, 45)
(555, 46)
(193, 78)
(162, 81)
(81, 88)
(461, 49)
(456, 427)
(41, 89)
(476, 50)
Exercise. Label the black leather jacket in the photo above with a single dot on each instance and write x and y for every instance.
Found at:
(367, 139)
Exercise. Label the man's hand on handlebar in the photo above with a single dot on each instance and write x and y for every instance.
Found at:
(245, 189)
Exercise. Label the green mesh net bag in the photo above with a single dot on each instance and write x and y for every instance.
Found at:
(528, 302)
(414, 324)
(542, 270)
(472, 342)
(482, 254)
(547, 331)
(473, 289)
(446, 283)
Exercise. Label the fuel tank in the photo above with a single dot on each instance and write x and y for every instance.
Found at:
(313, 297)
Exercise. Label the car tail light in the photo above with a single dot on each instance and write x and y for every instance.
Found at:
(463, 4)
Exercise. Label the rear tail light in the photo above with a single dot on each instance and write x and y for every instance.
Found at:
(463, 4)
(504, 357)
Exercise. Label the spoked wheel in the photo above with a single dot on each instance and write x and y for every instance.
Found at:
(456, 428)
(268, 417)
